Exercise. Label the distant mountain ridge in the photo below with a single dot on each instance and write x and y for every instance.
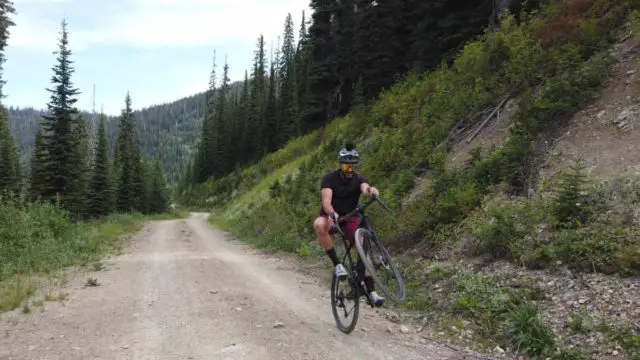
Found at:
(166, 131)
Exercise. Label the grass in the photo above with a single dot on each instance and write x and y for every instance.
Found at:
(635, 24)
(37, 240)
(554, 64)
(259, 194)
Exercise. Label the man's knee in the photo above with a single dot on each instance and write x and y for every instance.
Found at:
(321, 225)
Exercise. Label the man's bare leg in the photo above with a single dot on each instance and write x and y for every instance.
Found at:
(322, 227)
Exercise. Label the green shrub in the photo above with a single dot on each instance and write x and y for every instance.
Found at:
(524, 331)
(635, 24)
(569, 354)
(571, 207)
(504, 230)
(38, 238)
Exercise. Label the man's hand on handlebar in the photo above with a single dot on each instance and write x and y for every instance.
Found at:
(373, 192)
(333, 218)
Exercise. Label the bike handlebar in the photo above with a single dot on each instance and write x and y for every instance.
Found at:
(357, 210)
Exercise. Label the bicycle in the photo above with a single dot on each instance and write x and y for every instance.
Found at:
(368, 238)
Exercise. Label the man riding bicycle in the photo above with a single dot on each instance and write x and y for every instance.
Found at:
(340, 191)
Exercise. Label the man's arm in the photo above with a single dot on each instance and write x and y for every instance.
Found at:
(327, 194)
(368, 190)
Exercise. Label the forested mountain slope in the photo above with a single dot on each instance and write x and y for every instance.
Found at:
(343, 57)
(470, 232)
(168, 131)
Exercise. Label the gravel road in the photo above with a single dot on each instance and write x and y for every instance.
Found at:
(183, 290)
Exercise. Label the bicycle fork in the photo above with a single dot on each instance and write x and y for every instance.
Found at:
(359, 280)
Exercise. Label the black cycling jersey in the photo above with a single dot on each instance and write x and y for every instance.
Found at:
(346, 192)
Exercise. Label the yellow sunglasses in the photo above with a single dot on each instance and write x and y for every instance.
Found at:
(348, 167)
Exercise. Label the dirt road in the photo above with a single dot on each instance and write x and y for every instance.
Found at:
(183, 291)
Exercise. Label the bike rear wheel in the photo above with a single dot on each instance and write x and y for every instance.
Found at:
(379, 265)
(340, 300)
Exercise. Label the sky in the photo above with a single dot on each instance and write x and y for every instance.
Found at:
(158, 50)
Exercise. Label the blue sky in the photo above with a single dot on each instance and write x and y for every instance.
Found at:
(159, 50)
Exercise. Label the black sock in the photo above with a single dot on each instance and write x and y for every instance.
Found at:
(333, 256)
(361, 269)
(368, 282)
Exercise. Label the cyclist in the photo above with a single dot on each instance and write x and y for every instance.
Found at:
(340, 191)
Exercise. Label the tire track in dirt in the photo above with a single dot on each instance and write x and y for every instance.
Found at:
(184, 291)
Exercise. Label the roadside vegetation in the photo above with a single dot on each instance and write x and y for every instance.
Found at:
(493, 209)
(78, 197)
(39, 239)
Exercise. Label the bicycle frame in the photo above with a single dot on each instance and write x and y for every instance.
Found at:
(364, 223)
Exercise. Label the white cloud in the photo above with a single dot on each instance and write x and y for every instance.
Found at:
(164, 23)
(196, 22)
(35, 34)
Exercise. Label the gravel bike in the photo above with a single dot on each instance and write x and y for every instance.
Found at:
(367, 242)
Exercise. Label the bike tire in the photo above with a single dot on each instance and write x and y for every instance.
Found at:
(345, 328)
(368, 236)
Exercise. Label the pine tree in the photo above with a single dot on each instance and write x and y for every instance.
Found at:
(159, 200)
(79, 183)
(270, 115)
(138, 175)
(38, 180)
(358, 94)
(222, 127)
(101, 195)
(301, 65)
(288, 99)
(146, 195)
(58, 127)
(323, 67)
(571, 207)
(205, 162)
(6, 8)
(244, 153)
(378, 51)
(256, 123)
(128, 162)
(343, 30)
(10, 170)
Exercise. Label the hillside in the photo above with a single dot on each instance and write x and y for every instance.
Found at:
(508, 246)
(166, 131)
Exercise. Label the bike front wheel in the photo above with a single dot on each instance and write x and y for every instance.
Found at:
(345, 301)
(379, 265)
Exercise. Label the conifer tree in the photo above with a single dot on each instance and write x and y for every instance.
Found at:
(302, 61)
(38, 180)
(10, 170)
(58, 126)
(101, 194)
(6, 8)
(256, 123)
(205, 162)
(128, 162)
(147, 180)
(343, 33)
(159, 199)
(222, 133)
(323, 67)
(244, 149)
(79, 183)
(270, 115)
(288, 99)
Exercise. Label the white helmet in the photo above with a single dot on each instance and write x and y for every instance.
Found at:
(348, 155)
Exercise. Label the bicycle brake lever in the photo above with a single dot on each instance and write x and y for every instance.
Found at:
(384, 206)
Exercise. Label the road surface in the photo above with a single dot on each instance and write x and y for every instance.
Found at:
(184, 291)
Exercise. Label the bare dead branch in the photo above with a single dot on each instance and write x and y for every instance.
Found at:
(486, 121)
